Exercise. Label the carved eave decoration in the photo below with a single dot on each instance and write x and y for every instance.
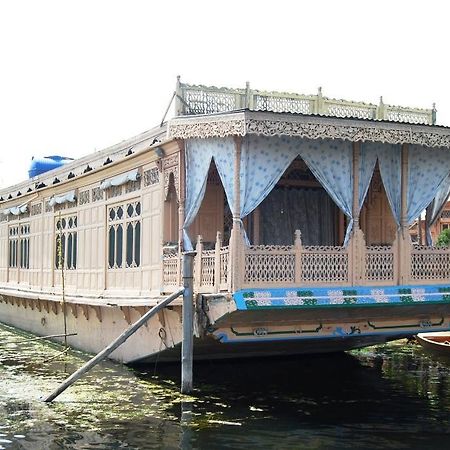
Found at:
(311, 127)
(214, 125)
(171, 166)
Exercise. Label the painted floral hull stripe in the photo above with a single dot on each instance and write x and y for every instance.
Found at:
(251, 299)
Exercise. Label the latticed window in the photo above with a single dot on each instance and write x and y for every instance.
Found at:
(24, 245)
(19, 246)
(13, 240)
(124, 235)
(66, 242)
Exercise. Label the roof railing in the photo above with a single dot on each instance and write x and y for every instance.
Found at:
(194, 100)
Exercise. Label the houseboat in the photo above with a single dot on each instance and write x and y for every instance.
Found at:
(298, 208)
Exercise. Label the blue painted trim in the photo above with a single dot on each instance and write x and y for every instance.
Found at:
(352, 296)
(223, 337)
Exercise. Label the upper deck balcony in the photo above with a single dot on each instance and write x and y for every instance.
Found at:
(388, 259)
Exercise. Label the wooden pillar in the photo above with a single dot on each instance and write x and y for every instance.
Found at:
(181, 204)
(237, 183)
(356, 164)
(404, 189)
(187, 345)
(256, 225)
(217, 262)
(357, 246)
(198, 262)
(236, 236)
(298, 256)
(404, 247)
(419, 230)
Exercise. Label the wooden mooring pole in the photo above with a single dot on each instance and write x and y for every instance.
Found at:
(111, 347)
(188, 323)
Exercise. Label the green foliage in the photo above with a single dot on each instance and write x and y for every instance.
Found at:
(443, 239)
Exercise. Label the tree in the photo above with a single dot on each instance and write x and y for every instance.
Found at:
(443, 239)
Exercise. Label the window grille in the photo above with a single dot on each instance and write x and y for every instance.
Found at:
(13, 239)
(66, 242)
(19, 246)
(24, 244)
(124, 235)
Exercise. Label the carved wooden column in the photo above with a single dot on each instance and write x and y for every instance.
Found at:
(356, 164)
(236, 236)
(404, 241)
(298, 257)
(419, 230)
(198, 263)
(181, 203)
(256, 225)
(217, 262)
(358, 245)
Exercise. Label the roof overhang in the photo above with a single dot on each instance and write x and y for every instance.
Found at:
(242, 123)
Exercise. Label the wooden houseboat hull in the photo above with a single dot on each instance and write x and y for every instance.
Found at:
(300, 211)
(250, 323)
(95, 326)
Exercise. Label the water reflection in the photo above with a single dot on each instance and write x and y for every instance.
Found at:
(389, 396)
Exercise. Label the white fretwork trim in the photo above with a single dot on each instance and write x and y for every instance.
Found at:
(273, 124)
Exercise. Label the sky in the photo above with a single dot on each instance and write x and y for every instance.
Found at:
(78, 76)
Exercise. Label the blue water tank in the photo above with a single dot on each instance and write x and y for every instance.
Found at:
(46, 163)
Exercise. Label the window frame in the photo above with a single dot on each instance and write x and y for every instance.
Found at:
(68, 235)
(118, 217)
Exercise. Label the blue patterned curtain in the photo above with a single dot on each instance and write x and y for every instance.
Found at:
(390, 160)
(437, 206)
(199, 153)
(367, 161)
(263, 162)
(265, 159)
(427, 169)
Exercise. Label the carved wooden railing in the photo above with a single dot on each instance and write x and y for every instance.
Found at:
(206, 273)
(272, 264)
(224, 268)
(325, 264)
(297, 265)
(192, 100)
(171, 269)
(430, 264)
(284, 265)
(211, 267)
(380, 264)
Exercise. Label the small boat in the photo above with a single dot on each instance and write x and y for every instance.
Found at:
(438, 342)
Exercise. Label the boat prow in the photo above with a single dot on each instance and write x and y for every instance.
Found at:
(438, 342)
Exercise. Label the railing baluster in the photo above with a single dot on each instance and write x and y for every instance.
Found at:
(198, 263)
(217, 262)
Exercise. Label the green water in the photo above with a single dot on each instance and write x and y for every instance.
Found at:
(393, 396)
